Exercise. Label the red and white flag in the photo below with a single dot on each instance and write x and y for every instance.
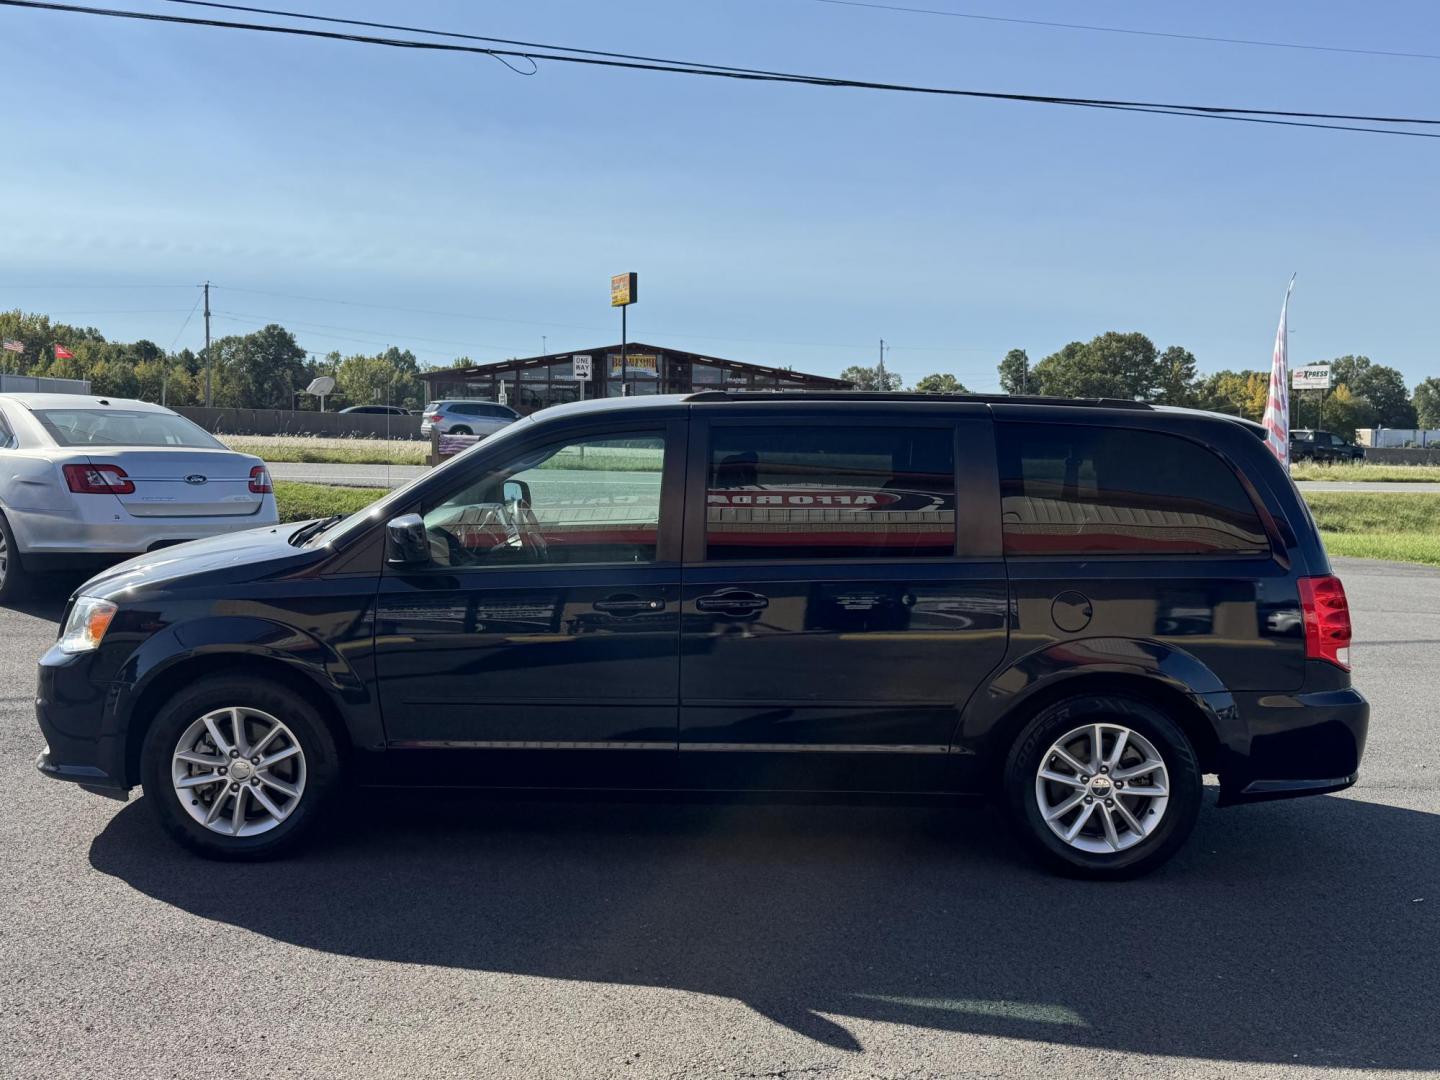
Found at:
(12, 346)
(62, 353)
(1277, 407)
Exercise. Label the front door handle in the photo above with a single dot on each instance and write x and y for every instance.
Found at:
(733, 602)
(625, 604)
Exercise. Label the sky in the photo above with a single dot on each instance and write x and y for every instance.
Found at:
(364, 196)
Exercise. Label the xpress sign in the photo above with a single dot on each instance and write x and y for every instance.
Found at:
(1312, 377)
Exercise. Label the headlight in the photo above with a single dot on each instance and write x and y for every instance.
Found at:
(86, 626)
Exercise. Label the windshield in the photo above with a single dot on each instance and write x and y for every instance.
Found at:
(401, 496)
(116, 427)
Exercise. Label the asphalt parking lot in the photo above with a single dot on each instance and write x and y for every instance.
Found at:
(451, 936)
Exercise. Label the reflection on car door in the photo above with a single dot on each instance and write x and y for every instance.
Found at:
(831, 632)
(541, 646)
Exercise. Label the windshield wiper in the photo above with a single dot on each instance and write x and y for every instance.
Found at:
(300, 535)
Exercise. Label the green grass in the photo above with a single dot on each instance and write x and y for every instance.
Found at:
(300, 502)
(332, 451)
(1379, 525)
(1392, 474)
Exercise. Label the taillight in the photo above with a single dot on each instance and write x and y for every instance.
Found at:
(434, 417)
(1327, 620)
(97, 480)
(260, 480)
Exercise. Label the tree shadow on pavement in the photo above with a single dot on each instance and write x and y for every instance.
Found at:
(1289, 933)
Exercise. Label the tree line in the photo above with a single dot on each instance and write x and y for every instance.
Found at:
(1363, 394)
(266, 369)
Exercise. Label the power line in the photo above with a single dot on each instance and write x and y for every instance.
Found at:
(1211, 39)
(1255, 115)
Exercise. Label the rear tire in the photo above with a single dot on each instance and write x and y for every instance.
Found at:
(206, 754)
(14, 581)
(1135, 801)
(459, 429)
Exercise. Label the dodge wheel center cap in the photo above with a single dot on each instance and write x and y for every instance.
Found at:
(1101, 787)
(240, 769)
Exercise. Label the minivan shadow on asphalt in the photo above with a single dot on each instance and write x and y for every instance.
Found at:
(1302, 933)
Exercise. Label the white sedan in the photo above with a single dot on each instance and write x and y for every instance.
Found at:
(86, 481)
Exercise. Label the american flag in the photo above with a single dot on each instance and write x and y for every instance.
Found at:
(1277, 408)
(12, 346)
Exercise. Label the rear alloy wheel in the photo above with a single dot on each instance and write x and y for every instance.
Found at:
(1103, 787)
(459, 429)
(239, 768)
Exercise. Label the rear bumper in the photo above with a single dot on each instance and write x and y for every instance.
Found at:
(1300, 744)
(50, 533)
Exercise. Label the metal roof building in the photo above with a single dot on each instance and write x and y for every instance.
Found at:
(537, 381)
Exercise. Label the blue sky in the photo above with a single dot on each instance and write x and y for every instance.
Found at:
(780, 224)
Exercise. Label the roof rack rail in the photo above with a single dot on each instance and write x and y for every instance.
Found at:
(904, 395)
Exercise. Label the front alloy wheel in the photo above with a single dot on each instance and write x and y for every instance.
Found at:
(238, 771)
(239, 767)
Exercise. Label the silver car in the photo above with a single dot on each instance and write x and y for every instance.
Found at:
(86, 481)
(458, 417)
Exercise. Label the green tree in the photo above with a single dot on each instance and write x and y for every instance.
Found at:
(1427, 403)
(868, 378)
(110, 378)
(1345, 411)
(389, 378)
(941, 383)
(1176, 378)
(1111, 365)
(1384, 387)
(1238, 393)
(260, 370)
(1015, 372)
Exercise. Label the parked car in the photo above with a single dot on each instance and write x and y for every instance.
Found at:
(377, 410)
(1323, 446)
(86, 481)
(1077, 609)
(466, 417)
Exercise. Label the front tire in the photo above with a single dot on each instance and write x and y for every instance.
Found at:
(1102, 787)
(239, 768)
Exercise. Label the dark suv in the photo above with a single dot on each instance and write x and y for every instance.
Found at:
(1078, 608)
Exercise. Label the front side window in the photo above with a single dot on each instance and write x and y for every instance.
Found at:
(586, 501)
(1074, 490)
(117, 427)
(845, 492)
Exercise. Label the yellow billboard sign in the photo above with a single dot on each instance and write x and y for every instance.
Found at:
(624, 289)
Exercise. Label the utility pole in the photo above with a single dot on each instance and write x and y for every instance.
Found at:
(209, 359)
(543, 345)
(884, 382)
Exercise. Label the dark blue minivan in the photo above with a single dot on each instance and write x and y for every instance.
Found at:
(1079, 609)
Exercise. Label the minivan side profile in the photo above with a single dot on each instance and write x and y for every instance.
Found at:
(1076, 609)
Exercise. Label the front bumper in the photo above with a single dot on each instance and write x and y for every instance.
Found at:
(83, 743)
(1299, 744)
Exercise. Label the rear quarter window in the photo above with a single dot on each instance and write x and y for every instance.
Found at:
(1077, 490)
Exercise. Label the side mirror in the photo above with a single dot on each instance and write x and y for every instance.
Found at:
(517, 491)
(407, 544)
